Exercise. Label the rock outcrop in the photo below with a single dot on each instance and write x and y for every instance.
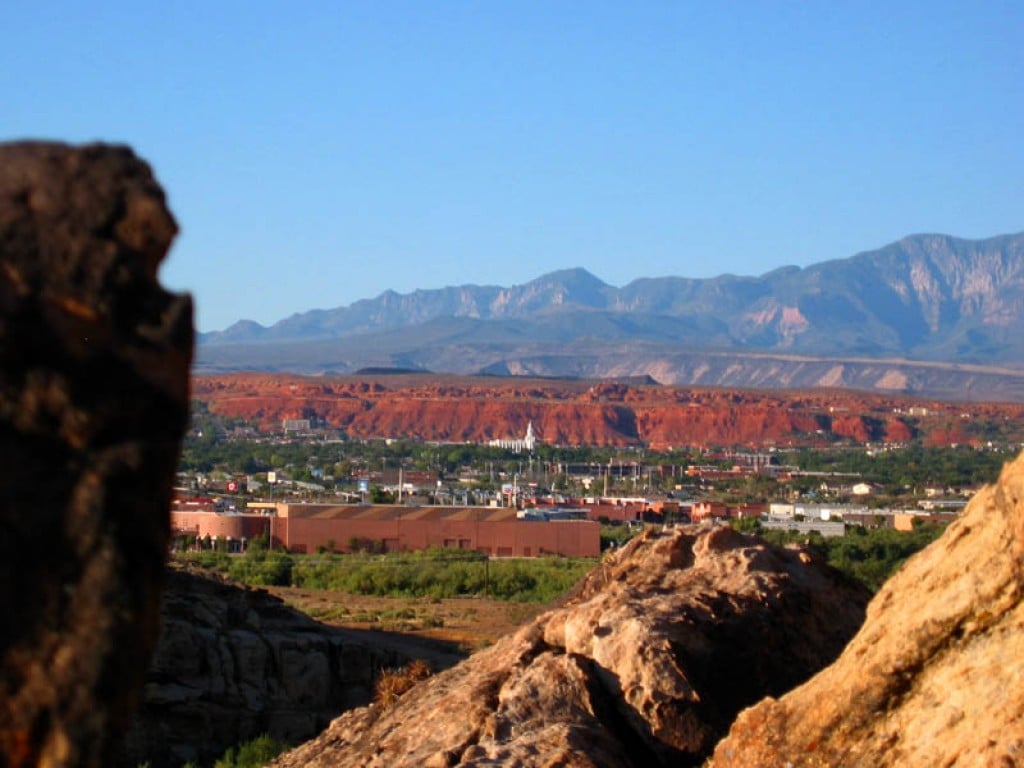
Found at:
(647, 665)
(94, 363)
(935, 676)
(233, 663)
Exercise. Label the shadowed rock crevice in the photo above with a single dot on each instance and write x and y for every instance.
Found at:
(606, 700)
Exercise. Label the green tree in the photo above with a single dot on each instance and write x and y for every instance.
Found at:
(252, 754)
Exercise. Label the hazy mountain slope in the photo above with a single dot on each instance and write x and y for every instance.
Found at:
(575, 288)
(927, 298)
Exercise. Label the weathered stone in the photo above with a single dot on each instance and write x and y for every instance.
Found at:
(215, 682)
(94, 362)
(935, 676)
(647, 665)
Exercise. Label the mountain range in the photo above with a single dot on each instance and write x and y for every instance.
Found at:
(929, 314)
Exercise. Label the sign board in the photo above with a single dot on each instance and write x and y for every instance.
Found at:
(364, 485)
(271, 477)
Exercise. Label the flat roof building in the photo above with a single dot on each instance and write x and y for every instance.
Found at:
(308, 528)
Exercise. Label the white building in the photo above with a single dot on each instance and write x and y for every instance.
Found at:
(518, 444)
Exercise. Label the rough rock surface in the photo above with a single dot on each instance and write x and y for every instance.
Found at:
(647, 665)
(233, 663)
(936, 675)
(94, 363)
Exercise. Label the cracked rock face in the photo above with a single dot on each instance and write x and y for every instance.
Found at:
(233, 663)
(647, 665)
(935, 676)
(94, 364)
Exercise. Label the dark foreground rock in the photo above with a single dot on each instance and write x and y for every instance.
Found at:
(233, 663)
(936, 675)
(647, 665)
(94, 363)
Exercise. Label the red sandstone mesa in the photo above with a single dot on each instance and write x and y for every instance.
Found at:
(457, 409)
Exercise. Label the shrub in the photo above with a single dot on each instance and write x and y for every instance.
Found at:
(263, 569)
(433, 574)
(252, 754)
(392, 683)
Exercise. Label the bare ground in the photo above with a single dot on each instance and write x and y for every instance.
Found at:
(440, 629)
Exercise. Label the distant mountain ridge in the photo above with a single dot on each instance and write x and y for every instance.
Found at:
(932, 298)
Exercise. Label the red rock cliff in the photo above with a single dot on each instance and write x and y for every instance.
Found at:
(461, 409)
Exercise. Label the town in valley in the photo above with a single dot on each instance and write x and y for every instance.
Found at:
(269, 462)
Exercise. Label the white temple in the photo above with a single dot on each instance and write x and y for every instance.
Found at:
(518, 444)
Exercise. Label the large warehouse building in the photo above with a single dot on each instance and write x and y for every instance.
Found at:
(312, 527)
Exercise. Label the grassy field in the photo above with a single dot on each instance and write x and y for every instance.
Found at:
(432, 574)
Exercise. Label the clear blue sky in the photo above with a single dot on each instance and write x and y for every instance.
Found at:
(317, 153)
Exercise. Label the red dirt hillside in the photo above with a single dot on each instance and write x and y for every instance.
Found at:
(569, 412)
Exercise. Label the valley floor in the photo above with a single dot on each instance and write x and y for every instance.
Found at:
(440, 630)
